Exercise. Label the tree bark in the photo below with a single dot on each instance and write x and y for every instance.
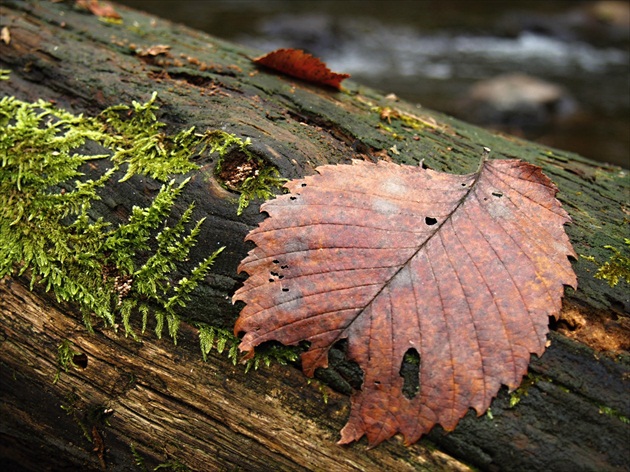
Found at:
(172, 408)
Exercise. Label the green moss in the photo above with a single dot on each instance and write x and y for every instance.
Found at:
(72, 409)
(173, 465)
(138, 460)
(266, 354)
(407, 120)
(605, 410)
(222, 142)
(522, 390)
(110, 20)
(48, 235)
(211, 337)
(323, 389)
(385, 128)
(112, 273)
(262, 185)
(240, 170)
(65, 358)
(136, 135)
(616, 268)
(515, 398)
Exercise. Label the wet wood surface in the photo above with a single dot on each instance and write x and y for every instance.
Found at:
(166, 403)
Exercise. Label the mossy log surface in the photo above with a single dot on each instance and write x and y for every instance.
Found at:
(172, 408)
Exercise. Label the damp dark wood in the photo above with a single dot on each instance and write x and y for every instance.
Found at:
(159, 403)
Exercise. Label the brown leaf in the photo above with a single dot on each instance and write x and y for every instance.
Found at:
(100, 9)
(297, 63)
(154, 50)
(463, 269)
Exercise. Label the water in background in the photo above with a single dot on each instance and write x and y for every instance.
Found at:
(432, 52)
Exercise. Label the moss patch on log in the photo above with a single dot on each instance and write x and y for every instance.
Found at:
(49, 234)
(47, 231)
(616, 268)
(240, 170)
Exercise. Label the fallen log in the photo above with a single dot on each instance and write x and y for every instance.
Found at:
(124, 403)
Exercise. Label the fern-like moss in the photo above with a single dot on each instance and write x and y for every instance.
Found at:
(45, 228)
(140, 142)
(48, 235)
(173, 465)
(65, 358)
(253, 178)
(211, 337)
(137, 458)
(261, 185)
(265, 355)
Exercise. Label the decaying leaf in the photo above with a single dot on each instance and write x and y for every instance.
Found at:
(297, 63)
(100, 9)
(154, 50)
(462, 269)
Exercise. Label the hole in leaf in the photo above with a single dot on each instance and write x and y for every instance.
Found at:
(271, 280)
(274, 274)
(430, 220)
(285, 289)
(410, 372)
(276, 261)
(292, 198)
(284, 267)
(377, 383)
(497, 194)
(281, 276)
(303, 184)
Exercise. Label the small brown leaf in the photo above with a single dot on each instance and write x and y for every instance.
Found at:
(5, 35)
(100, 9)
(297, 63)
(154, 50)
(465, 270)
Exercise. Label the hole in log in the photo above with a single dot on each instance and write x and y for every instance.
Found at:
(80, 360)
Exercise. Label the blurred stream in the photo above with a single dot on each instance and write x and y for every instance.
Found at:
(433, 52)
